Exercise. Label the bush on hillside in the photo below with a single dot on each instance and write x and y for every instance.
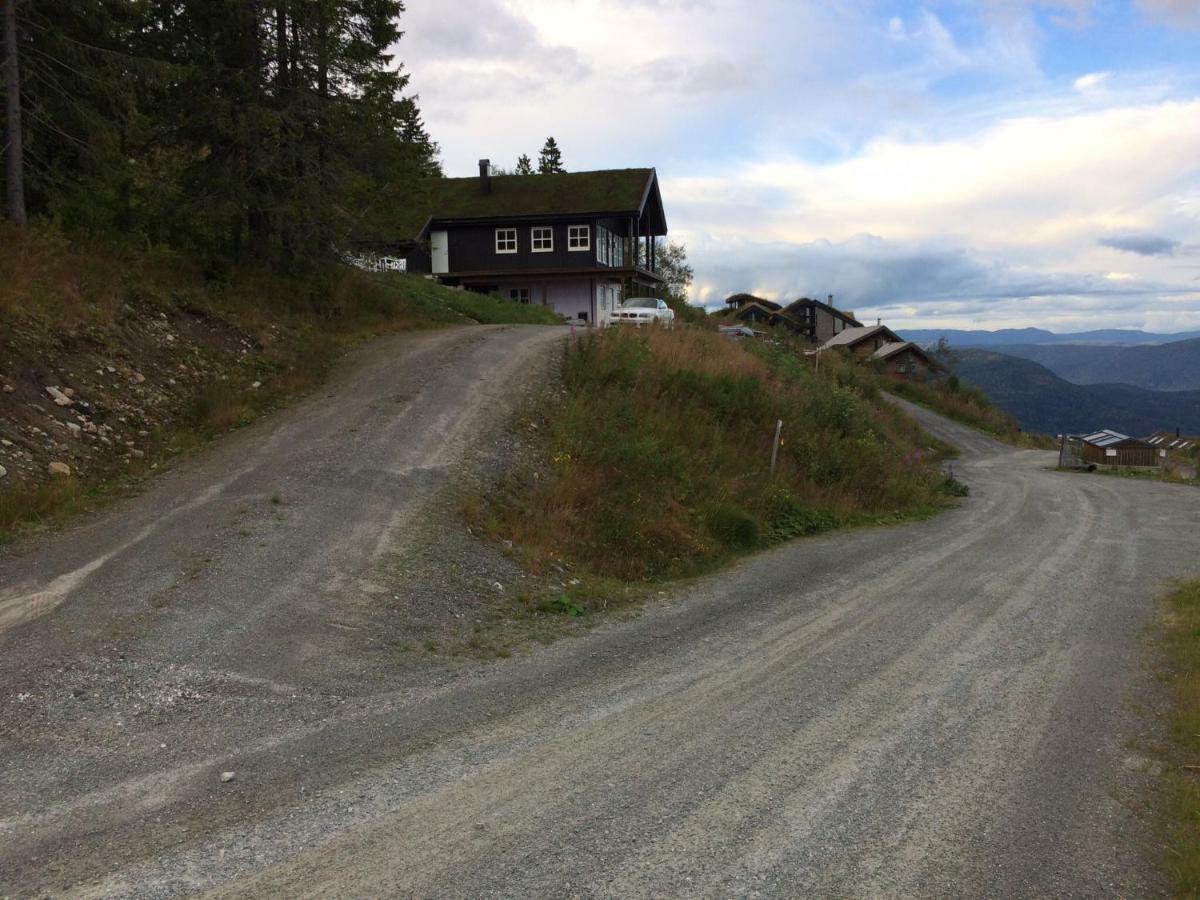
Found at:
(658, 452)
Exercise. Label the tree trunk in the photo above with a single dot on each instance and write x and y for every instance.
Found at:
(15, 157)
(323, 228)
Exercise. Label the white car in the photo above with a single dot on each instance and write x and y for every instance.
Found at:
(644, 311)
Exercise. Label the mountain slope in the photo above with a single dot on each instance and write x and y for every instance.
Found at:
(1042, 401)
(1162, 367)
(1006, 337)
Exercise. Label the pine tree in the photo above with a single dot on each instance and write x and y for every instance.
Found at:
(550, 159)
(524, 165)
(266, 130)
(14, 157)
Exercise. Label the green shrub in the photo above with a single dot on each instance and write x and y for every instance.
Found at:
(733, 527)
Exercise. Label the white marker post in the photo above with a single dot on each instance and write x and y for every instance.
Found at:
(775, 446)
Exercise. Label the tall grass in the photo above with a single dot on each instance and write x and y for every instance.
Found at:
(658, 449)
(1182, 641)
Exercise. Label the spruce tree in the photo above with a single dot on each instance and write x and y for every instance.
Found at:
(266, 130)
(550, 159)
(524, 165)
(14, 157)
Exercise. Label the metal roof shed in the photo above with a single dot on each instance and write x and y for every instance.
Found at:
(1111, 448)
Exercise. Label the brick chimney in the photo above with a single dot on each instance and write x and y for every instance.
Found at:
(485, 176)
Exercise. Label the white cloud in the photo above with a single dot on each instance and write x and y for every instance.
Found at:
(1092, 83)
(786, 136)
(1018, 182)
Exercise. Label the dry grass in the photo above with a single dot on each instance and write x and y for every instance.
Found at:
(58, 296)
(1183, 806)
(40, 505)
(657, 457)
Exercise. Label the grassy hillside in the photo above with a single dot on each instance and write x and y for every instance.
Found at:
(654, 457)
(1163, 367)
(1041, 401)
(154, 355)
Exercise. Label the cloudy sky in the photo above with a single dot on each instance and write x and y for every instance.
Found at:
(944, 163)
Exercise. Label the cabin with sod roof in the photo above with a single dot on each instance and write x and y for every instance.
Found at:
(815, 320)
(863, 343)
(761, 312)
(907, 360)
(737, 301)
(571, 241)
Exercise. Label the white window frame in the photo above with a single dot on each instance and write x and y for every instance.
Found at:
(543, 235)
(579, 237)
(520, 295)
(502, 247)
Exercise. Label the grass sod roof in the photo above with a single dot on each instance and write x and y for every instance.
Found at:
(797, 305)
(571, 193)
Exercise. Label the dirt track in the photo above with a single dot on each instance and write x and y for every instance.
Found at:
(960, 707)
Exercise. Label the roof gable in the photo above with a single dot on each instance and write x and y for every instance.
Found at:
(851, 336)
(745, 299)
(619, 192)
(891, 349)
(804, 303)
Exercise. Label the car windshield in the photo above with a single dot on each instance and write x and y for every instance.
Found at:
(641, 303)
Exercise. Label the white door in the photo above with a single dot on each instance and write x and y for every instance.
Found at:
(439, 249)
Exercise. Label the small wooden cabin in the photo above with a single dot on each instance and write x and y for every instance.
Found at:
(1111, 448)
(761, 312)
(863, 343)
(906, 360)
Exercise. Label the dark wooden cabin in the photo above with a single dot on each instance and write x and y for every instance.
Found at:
(907, 360)
(574, 242)
(815, 320)
(863, 343)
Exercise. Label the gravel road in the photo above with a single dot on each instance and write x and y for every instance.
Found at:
(959, 707)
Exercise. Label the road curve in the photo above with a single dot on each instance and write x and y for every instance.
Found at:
(957, 707)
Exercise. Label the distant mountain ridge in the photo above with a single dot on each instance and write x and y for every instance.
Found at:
(1158, 367)
(1010, 336)
(1042, 401)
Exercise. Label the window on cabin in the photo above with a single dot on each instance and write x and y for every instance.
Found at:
(579, 237)
(506, 240)
(518, 295)
(542, 239)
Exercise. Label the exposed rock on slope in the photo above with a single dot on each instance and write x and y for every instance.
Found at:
(98, 399)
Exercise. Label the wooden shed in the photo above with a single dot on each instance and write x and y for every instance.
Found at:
(1111, 448)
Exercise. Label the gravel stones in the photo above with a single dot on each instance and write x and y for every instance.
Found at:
(59, 469)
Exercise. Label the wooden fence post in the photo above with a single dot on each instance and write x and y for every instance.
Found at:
(775, 445)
